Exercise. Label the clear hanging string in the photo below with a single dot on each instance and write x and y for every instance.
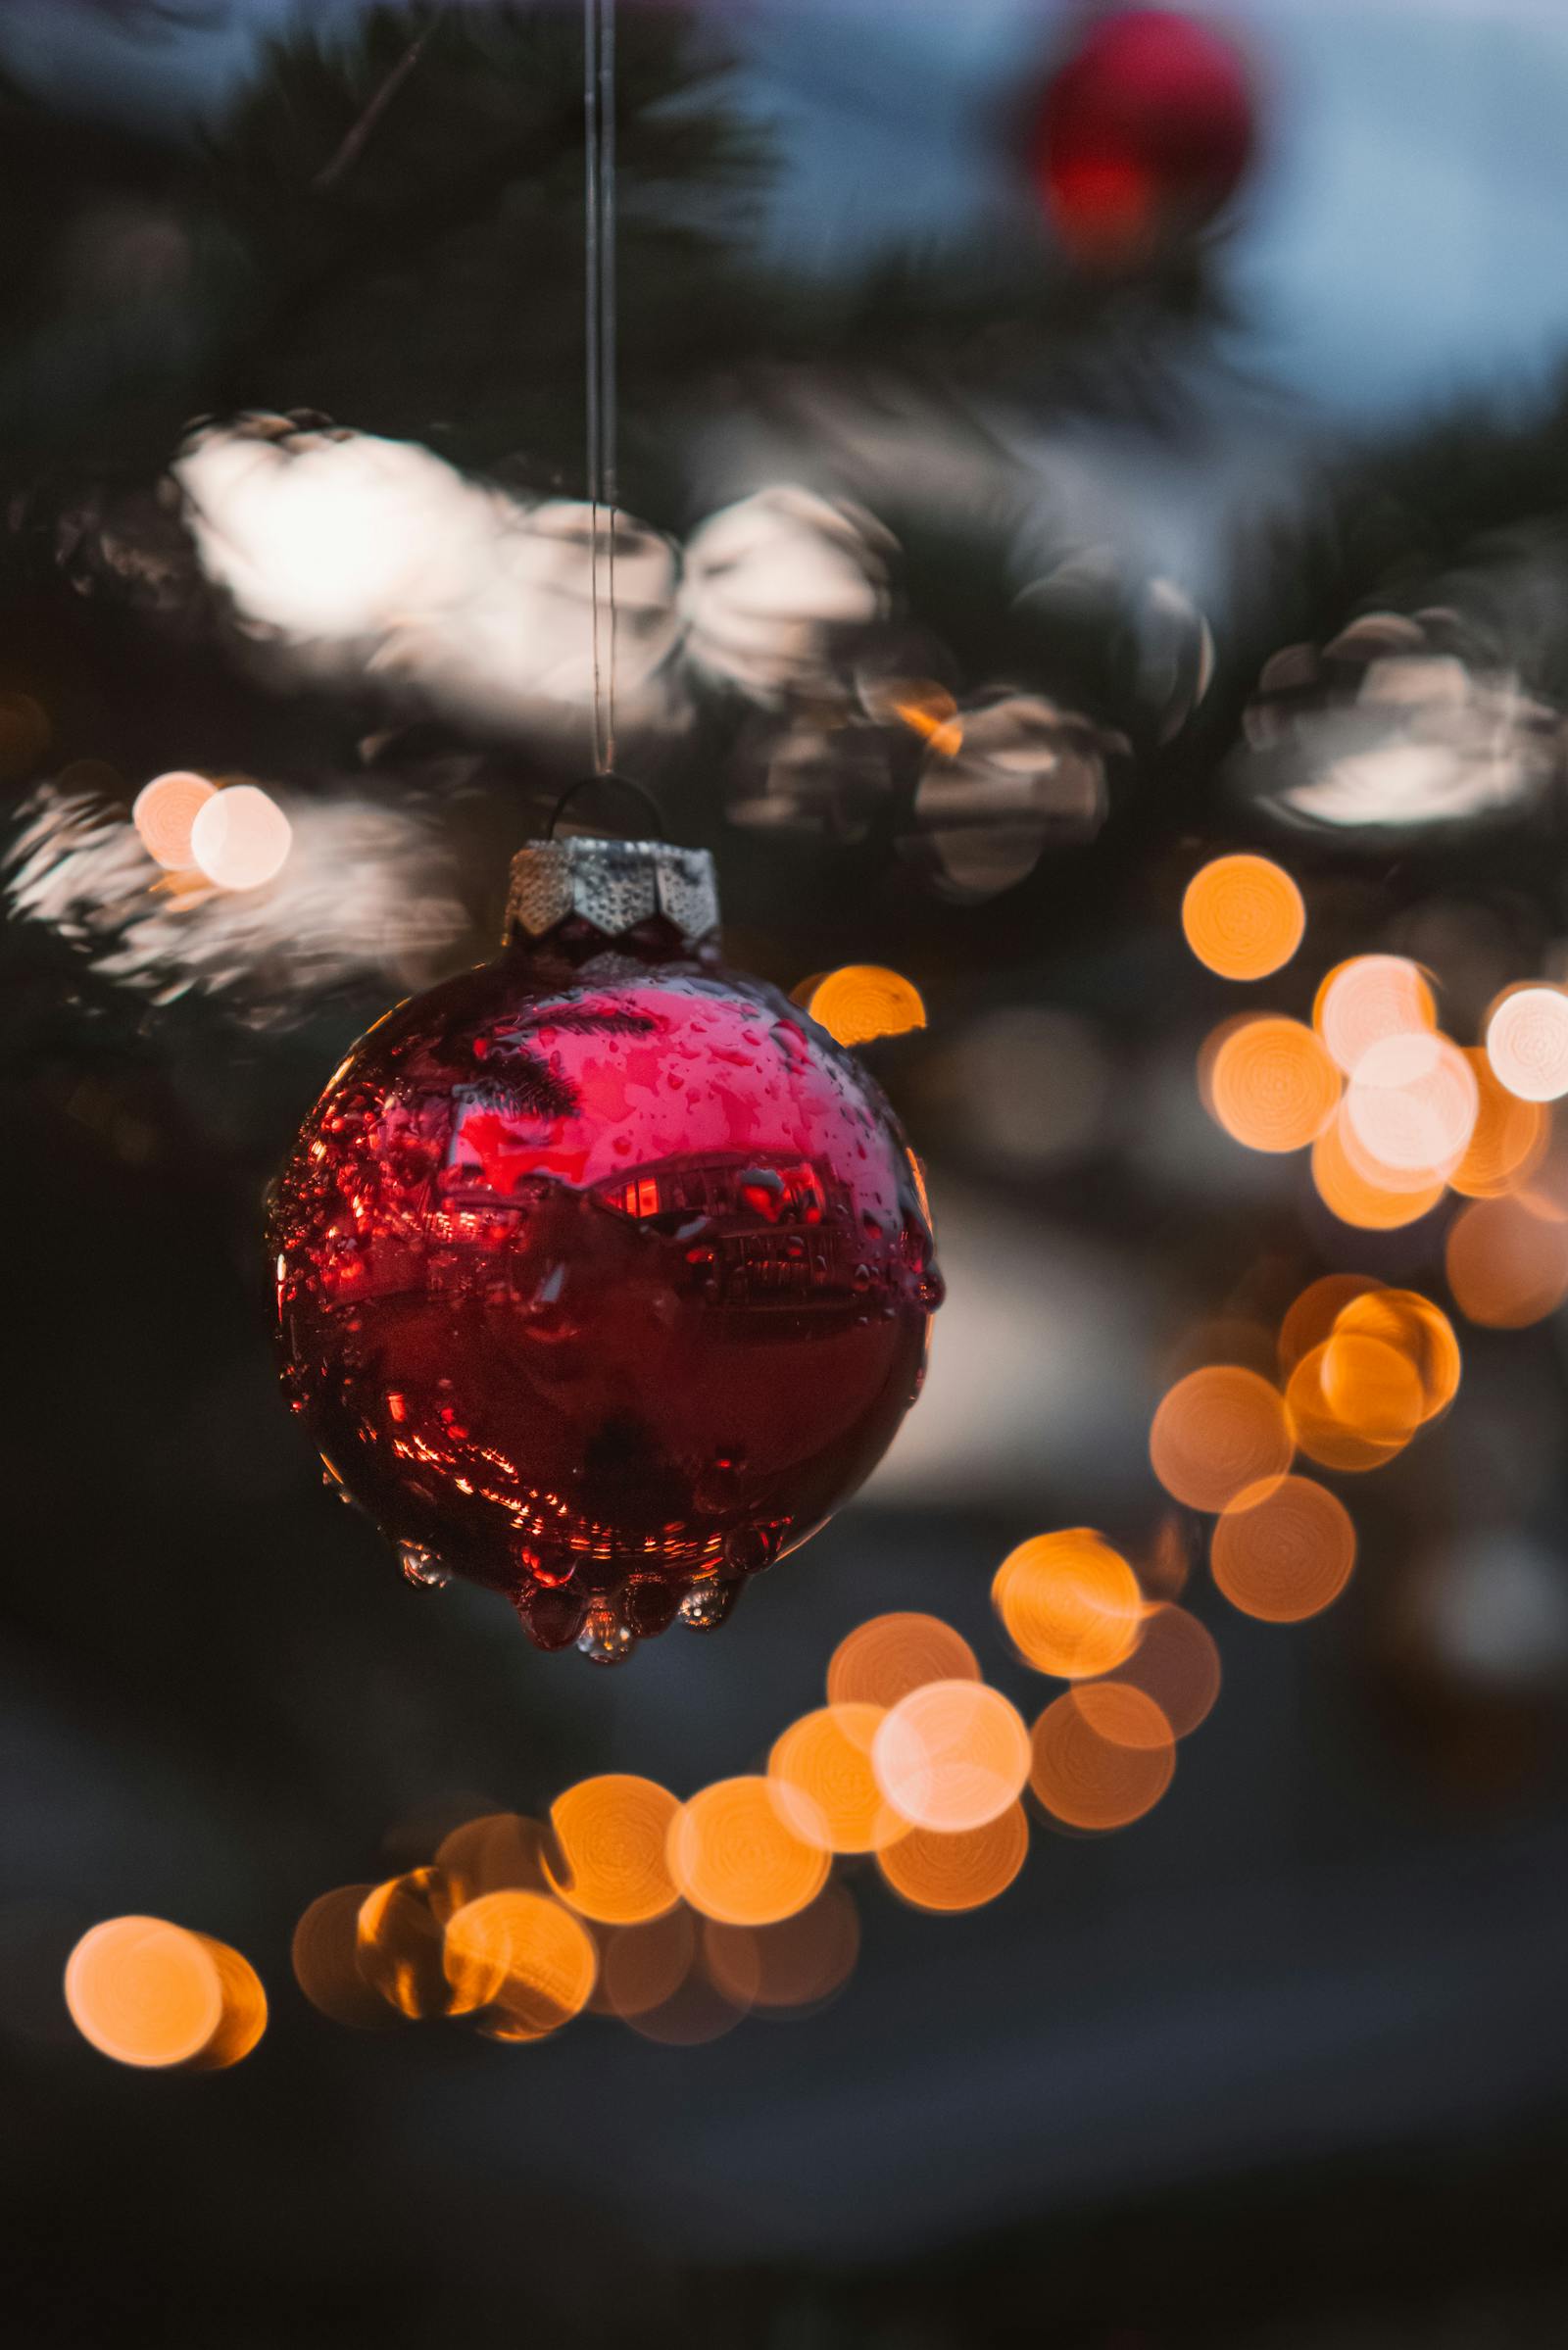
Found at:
(599, 193)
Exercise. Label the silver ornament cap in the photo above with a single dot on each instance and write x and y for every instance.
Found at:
(613, 885)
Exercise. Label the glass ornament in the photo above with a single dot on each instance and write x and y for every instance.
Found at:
(604, 1275)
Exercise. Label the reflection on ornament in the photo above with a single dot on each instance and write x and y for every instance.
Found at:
(603, 1273)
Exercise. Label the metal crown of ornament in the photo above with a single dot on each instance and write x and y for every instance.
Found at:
(613, 886)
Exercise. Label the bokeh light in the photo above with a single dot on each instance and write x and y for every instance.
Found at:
(1217, 1430)
(1358, 1197)
(1415, 1328)
(1412, 1106)
(952, 1755)
(1311, 1318)
(1507, 1141)
(611, 1836)
(926, 708)
(497, 1852)
(798, 1963)
(240, 838)
(143, 1991)
(1508, 1262)
(523, 1954)
(1367, 999)
(1356, 1401)
(1284, 1549)
(641, 1967)
(1271, 1084)
(863, 1001)
(1068, 1602)
(883, 1659)
(325, 1954)
(163, 811)
(823, 1777)
(1176, 1663)
(1165, 1560)
(1102, 1756)
(936, 1871)
(370, 891)
(1527, 1042)
(244, 2017)
(1243, 916)
(151, 1995)
(735, 1857)
(696, 2013)
(401, 1927)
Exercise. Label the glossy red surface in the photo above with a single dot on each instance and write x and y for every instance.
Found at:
(601, 1285)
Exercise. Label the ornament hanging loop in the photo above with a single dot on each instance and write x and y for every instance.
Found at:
(626, 783)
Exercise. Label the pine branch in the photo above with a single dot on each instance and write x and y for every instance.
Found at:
(357, 138)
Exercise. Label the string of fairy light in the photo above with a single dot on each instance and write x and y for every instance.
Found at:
(677, 1918)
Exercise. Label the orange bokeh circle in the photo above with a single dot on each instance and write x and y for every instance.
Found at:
(1243, 916)
(1070, 1603)
(610, 1838)
(1217, 1430)
(1102, 1756)
(1284, 1550)
(883, 1659)
(1271, 1084)
(961, 1872)
(736, 1858)
(823, 1778)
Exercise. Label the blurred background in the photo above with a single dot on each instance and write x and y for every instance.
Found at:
(1091, 562)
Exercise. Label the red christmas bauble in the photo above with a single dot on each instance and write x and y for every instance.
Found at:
(603, 1273)
(1143, 135)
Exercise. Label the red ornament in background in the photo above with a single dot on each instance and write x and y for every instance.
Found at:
(603, 1273)
(1143, 136)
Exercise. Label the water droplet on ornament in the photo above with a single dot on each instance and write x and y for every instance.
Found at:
(860, 1279)
(422, 1567)
(649, 1603)
(751, 1548)
(605, 1640)
(709, 1605)
(554, 1618)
